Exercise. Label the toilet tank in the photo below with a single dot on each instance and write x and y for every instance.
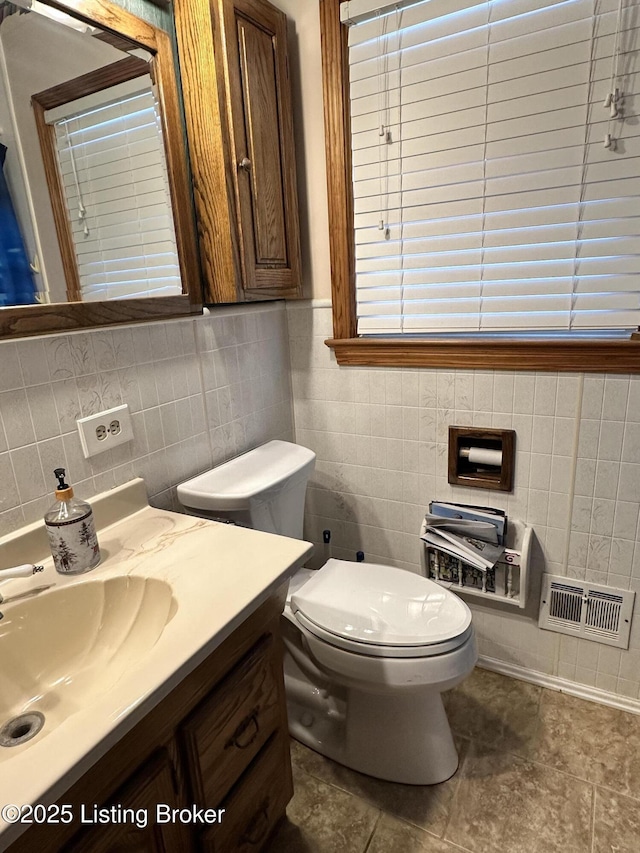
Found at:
(264, 488)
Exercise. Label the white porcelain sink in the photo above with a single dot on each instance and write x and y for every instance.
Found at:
(62, 648)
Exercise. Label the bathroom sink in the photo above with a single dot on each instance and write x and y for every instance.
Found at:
(63, 647)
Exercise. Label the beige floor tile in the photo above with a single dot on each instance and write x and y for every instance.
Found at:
(567, 731)
(395, 836)
(426, 806)
(516, 791)
(617, 823)
(505, 804)
(495, 709)
(323, 819)
(616, 761)
(591, 741)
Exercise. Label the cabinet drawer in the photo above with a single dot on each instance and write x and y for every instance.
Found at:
(228, 729)
(256, 804)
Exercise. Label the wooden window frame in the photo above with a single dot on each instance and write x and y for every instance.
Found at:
(581, 355)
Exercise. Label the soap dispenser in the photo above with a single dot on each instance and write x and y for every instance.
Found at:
(71, 531)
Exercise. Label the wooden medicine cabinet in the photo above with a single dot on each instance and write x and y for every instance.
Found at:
(237, 97)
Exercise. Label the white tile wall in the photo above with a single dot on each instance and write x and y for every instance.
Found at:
(200, 391)
(246, 378)
(380, 437)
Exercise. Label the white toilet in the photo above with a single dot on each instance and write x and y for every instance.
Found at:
(368, 648)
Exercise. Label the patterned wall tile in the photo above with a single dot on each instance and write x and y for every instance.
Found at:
(161, 370)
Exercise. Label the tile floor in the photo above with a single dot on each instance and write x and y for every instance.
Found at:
(540, 772)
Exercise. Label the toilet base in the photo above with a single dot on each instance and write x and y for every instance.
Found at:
(361, 731)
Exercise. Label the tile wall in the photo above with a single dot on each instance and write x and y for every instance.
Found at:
(380, 437)
(200, 391)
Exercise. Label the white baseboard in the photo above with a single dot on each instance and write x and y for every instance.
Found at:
(563, 685)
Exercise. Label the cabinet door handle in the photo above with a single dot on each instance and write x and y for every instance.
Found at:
(245, 164)
(246, 732)
(257, 826)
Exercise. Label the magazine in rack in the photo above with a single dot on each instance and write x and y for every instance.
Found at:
(464, 546)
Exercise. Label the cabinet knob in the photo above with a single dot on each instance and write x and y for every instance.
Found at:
(245, 164)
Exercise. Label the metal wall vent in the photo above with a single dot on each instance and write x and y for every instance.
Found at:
(586, 610)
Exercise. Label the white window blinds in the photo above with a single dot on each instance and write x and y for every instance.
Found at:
(113, 169)
(496, 165)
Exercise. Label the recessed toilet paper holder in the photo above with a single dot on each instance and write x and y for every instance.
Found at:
(482, 457)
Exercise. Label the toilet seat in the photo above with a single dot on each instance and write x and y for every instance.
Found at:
(380, 611)
(379, 650)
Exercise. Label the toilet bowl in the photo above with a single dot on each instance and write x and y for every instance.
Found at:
(369, 648)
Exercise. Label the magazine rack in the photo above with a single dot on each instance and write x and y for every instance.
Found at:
(508, 584)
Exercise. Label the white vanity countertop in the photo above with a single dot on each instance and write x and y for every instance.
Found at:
(219, 575)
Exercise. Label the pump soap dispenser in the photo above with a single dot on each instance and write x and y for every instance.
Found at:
(71, 531)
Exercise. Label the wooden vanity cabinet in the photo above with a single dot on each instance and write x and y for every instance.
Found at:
(237, 95)
(263, 788)
(153, 783)
(219, 740)
(228, 729)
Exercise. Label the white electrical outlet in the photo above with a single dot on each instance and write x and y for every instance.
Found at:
(105, 430)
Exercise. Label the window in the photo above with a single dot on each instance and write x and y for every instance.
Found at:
(102, 146)
(114, 179)
(492, 189)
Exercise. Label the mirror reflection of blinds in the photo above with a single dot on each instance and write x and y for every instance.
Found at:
(112, 166)
(502, 207)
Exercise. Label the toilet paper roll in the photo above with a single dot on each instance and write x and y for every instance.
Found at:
(482, 456)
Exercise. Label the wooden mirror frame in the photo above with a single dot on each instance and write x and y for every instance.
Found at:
(24, 320)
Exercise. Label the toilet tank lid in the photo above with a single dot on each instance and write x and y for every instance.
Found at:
(381, 605)
(231, 485)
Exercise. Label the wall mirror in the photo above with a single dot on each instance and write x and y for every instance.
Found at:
(95, 211)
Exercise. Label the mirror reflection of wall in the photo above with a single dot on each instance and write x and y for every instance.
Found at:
(103, 164)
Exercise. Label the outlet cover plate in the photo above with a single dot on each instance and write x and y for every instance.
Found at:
(114, 425)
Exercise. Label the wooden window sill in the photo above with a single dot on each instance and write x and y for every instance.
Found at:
(583, 356)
